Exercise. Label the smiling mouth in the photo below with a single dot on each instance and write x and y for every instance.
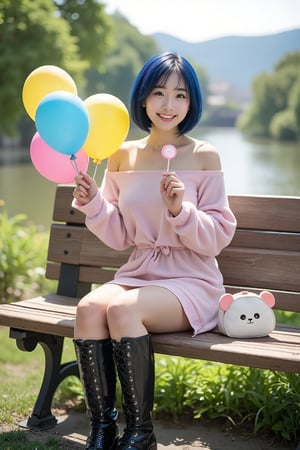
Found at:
(166, 117)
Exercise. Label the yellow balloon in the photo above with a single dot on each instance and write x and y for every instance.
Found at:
(41, 82)
(109, 125)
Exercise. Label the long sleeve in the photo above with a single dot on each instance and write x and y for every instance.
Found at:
(103, 217)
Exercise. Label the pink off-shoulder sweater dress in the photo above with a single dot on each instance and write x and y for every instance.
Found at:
(175, 253)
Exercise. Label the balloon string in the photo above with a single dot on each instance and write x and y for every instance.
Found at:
(96, 161)
(73, 160)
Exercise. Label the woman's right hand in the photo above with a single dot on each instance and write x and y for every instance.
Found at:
(85, 189)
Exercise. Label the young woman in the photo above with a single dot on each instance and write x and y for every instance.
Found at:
(177, 222)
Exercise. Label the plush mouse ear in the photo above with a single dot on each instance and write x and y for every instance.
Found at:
(225, 301)
(268, 298)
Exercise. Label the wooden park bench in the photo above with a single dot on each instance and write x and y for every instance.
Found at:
(264, 255)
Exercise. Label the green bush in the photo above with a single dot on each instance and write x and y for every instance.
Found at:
(23, 251)
(283, 126)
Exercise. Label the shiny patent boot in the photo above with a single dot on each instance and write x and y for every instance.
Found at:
(98, 376)
(135, 365)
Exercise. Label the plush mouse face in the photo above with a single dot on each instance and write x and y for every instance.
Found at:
(246, 315)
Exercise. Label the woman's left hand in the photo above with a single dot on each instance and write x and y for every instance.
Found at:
(172, 191)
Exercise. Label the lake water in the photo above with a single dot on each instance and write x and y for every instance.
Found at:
(251, 167)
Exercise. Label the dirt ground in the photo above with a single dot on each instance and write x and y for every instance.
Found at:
(72, 429)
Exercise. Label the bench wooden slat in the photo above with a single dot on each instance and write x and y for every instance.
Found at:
(266, 239)
(260, 268)
(53, 314)
(67, 241)
(287, 301)
(272, 213)
(77, 245)
(63, 211)
(87, 274)
(252, 212)
(268, 268)
(271, 351)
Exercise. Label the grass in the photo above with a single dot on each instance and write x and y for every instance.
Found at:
(20, 378)
(16, 440)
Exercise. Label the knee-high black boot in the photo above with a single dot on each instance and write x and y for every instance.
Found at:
(98, 376)
(135, 365)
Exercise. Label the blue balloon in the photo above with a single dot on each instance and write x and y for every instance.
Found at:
(62, 121)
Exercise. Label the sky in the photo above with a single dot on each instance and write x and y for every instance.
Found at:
(202, 20)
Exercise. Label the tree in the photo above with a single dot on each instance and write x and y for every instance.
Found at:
(268, 100)
(34, 33)
(283, 126)
(275, 109)
(129, 52)
(294, 104)
(90, 25)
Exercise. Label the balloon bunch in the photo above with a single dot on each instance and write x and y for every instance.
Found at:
(70, 130)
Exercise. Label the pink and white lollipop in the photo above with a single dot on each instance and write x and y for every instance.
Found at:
(168, 152)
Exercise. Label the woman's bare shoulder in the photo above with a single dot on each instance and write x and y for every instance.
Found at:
(208, 154)
(122, 155)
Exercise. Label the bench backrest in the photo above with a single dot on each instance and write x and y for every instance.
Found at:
(263, 255)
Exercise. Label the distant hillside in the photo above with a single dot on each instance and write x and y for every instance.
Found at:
(235, 59)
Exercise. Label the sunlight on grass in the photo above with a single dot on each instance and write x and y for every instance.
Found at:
(18, 371)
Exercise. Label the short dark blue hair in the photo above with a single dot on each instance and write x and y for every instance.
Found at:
(157, 69)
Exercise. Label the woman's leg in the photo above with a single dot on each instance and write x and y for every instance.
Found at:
(94, 353)
(149, 309)
(91, 318)
(98, 377)
(130, 316)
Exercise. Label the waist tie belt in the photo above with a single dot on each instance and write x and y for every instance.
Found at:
(159, 249)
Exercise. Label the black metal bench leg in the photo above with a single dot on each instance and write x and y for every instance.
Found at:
(41, 417)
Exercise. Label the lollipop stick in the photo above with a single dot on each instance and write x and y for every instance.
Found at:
(168, 166)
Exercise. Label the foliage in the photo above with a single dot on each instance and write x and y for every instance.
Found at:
(129, 52)
(63, 40)
(275, 109)
(23, 25)
(283, 126)
(22, 264)
(90, 25)
(173, 377)
(267, 400)
(294, 103)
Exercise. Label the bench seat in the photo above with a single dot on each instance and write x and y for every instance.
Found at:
(55, 315)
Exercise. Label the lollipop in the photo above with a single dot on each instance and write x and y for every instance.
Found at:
(168, 152)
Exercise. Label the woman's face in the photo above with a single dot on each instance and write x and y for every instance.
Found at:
(168, 103)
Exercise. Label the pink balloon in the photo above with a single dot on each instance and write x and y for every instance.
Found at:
(53, 165)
